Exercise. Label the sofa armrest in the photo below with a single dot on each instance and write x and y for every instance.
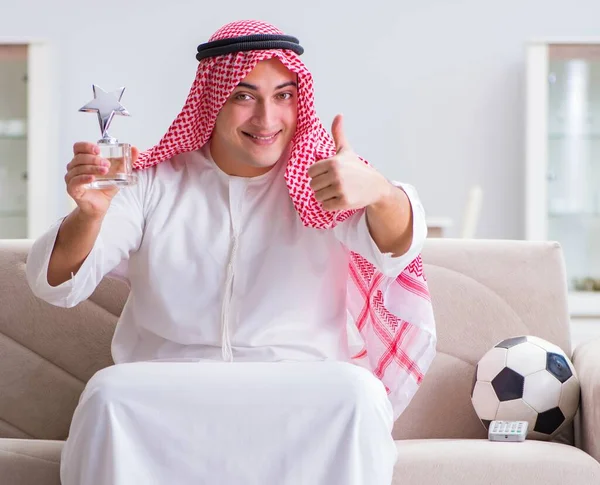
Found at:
(586, 359)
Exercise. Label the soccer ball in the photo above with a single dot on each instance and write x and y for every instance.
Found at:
(528, 379)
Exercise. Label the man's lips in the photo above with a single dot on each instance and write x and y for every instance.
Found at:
(262, 136)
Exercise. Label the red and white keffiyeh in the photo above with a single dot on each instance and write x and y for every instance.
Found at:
(394, 316)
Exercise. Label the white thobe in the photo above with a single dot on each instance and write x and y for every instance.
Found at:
(225, 281)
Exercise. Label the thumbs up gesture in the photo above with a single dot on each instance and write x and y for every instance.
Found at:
(344, 181)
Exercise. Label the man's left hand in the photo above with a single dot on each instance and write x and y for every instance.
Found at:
(344, 181)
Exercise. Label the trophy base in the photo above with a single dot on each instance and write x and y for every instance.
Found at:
(118, 181)
(120, 172)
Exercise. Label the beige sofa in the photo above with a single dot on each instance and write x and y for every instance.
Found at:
(482, 291)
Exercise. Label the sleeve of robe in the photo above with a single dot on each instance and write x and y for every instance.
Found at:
(120, 234)
(354, 234)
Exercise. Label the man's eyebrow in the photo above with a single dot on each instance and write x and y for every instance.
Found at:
(285, 85)
(253, 87)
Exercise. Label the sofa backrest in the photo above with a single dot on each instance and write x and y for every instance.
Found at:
(482, 292)
(47, 354)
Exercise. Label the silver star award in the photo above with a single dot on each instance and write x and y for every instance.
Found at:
(106, 105)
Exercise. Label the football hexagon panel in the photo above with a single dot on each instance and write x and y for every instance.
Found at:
(508, 385)
(542, 391)
(491, 364)
(549, 421)
(551, 348)
(557, 365)
(544, 344)
(570, 394)
(526, 358)
(485, 401)
(517, 410)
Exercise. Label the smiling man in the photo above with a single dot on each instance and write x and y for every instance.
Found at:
(278, 320)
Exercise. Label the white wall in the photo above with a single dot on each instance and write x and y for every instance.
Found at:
(432, 90)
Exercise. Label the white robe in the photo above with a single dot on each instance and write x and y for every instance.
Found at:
(223, 273)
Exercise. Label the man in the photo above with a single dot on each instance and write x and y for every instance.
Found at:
(252, 237)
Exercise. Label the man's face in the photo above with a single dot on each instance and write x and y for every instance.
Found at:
(257, 122)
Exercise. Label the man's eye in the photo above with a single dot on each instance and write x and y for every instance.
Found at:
(242, 97)
(284, 96)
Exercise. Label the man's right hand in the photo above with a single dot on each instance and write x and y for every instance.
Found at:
(82, 170)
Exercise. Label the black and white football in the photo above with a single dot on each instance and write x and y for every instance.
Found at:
(526, 378)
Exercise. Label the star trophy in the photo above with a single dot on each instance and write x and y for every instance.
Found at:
(120, 172)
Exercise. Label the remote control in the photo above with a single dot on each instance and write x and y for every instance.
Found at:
(508, 430)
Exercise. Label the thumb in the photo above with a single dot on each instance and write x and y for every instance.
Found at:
(135, 153)
(337, 130)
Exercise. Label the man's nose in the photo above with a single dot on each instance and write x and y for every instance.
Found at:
(264, 116)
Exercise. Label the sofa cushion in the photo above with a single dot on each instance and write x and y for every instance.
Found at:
(28, 462)
(25, 462)
(476, 462)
